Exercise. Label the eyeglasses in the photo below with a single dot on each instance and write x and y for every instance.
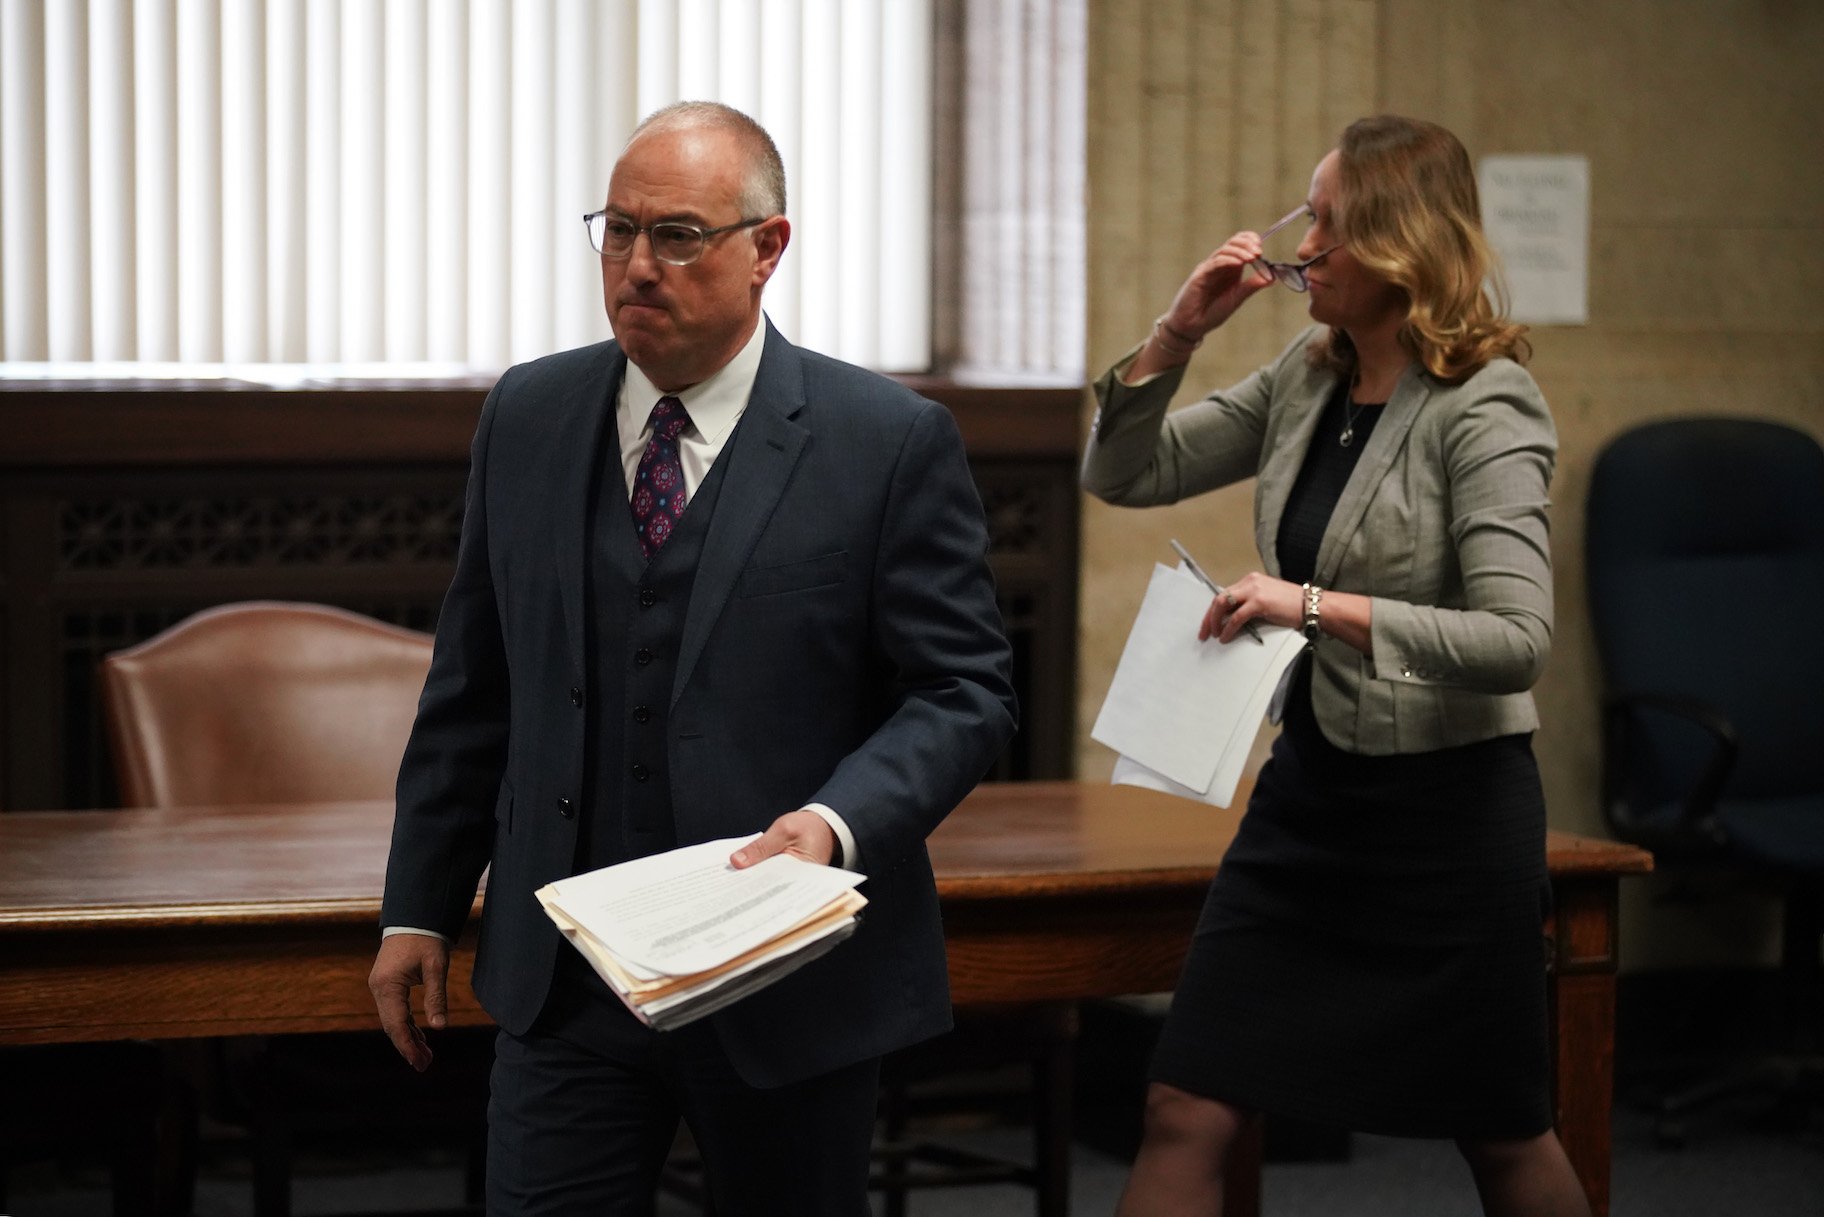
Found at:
(1292, 274)
(678, 244)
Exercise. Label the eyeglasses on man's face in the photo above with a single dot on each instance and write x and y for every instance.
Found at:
(1292, 274)
(679, 244)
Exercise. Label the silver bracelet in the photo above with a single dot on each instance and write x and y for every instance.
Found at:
(1314, 597)
(1170, 340)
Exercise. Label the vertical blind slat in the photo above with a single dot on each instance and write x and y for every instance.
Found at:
(859, 207)
(819, 179)
(576, 180)
(531, 173)
(446, 211)
(1036, 186)
(405, 180)
(285, 161)
(904, 285)
(243, 108)
(155, 177)
(199, 182)
(490, 177)
(363, 177)
(22, 177)
(738, 75)
(657, 28)
(66, 179)
(323, 183)
(111, 177)
(780, 112)
(697, 47)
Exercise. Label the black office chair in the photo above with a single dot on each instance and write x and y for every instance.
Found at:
(1706, 569)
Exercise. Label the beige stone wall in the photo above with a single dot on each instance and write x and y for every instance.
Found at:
(1704, 123)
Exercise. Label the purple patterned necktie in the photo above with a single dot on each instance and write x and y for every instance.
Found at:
(658, 485)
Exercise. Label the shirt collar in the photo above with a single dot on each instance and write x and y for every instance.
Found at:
(714, 404)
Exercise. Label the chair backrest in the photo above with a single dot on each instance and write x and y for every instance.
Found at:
(263, 702)
(1705, 558)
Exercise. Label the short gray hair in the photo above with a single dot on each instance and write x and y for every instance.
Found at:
(763, 190)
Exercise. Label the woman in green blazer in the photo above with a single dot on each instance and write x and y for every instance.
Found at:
(1371, 954)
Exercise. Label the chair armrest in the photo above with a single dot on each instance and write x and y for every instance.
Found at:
(1696, 827)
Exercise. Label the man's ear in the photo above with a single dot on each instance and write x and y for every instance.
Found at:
(770, 240)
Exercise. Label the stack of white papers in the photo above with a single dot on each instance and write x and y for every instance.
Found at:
(1183, 714)
(681, 934)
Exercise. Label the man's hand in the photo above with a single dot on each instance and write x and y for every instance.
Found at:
(405, 961)
(804, 833)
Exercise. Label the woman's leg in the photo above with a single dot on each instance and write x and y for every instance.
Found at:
(1179, 1169)
(1525, 1178)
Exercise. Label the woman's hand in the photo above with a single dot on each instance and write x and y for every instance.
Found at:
(1216, 288)
(1253, 597)
(1344, 616)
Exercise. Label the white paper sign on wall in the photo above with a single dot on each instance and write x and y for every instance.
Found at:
(1536, 212)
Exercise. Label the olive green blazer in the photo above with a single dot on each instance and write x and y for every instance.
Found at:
(1443, 524)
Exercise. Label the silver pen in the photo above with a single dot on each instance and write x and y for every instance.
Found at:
(1210, 583)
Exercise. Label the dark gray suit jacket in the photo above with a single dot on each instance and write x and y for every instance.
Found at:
(842, 645)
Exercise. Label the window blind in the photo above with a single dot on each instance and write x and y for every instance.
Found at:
(352, 182)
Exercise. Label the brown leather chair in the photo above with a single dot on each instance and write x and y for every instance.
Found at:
(274, 702)
(263, 702)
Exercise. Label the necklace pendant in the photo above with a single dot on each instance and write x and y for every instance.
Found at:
(1348, 436)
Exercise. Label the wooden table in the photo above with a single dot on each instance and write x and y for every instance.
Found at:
(247, 920)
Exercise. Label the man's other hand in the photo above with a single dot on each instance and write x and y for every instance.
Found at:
(804, 833)
(404, 962)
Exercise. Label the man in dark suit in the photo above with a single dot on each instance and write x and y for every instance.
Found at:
(709, 584)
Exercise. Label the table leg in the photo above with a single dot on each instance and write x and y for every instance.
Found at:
(1583, 1027)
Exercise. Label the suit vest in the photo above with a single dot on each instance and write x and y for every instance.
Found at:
(633, 623)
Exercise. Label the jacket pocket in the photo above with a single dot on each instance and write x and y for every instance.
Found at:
(800, 576)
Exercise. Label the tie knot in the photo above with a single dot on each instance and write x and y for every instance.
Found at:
(669, 417)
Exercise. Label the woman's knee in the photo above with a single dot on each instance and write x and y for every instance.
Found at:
(1179, 1116)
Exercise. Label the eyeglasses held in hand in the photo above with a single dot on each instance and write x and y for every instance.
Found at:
(678, 244)
(1292, 274)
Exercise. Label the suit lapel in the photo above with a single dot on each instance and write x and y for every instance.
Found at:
(759, 460)
(1389, 437)
(579, 420)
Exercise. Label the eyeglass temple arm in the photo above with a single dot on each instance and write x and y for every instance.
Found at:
(1285, 220)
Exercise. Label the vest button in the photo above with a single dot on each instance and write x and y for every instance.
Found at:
(648, 597)
(643, 656)
(576, 698)
(642, 714)
(641, 773)
(566, 809)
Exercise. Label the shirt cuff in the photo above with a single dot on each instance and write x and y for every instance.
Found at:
(849, 857)
(390, 930)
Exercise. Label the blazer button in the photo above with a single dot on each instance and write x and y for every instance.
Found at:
(1406, 672)
(576, 698)
(566, 809)
(641, 773)
(643, 656)
(648, 597)
(642, 714)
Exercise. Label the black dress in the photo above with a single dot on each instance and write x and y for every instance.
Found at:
(1371, 954)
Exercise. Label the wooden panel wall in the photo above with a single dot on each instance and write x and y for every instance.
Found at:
(125, 507)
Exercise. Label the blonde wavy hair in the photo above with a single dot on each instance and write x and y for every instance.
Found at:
(1407, 207)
